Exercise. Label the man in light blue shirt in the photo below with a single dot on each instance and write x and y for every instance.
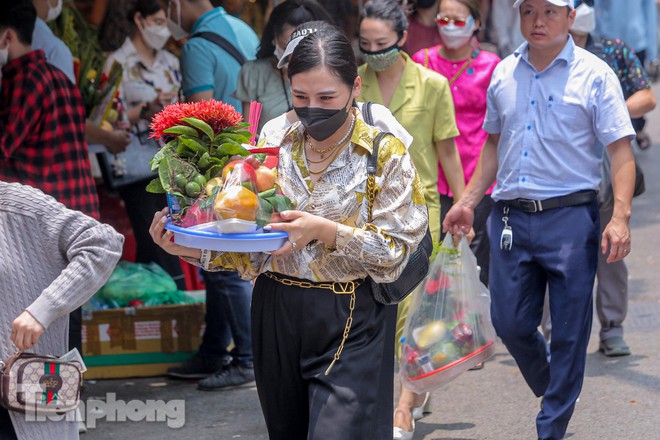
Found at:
(57, 53)
(209, 71)
(548, 104)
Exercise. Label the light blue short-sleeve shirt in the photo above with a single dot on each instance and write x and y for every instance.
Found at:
(205, 66)
(57, 53)
(553, 124)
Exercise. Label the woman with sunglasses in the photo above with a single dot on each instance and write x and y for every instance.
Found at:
(421, 101)
(468, 70)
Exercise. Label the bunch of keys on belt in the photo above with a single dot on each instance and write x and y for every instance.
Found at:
(506, 240)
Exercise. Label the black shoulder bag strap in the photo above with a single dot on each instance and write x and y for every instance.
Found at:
(223, 43)
(372, 167)
(366, 112)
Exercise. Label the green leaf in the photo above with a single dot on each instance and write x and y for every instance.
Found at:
(248, 185)
(197, 146)
(280, 202)
(228, 149)
(169, 149)
(182, 129)
(238, 127)
(264, 212)
(165, 175)
(266, 194)
(201, 126)
(216, 170)
(156, 187)
(260, 156)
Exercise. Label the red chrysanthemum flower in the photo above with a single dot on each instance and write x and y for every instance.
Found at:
(215, 113)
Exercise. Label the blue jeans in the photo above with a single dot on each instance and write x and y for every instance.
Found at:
(557, 248)
(228, 299)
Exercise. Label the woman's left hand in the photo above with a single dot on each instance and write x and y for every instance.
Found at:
(303, 228)
(25, 331)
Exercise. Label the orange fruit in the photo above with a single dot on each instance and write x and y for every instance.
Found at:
(237, 202)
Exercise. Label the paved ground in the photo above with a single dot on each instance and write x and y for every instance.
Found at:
(620, 399)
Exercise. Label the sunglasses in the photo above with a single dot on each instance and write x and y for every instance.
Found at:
(444, 21)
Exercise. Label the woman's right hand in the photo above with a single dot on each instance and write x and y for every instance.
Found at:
(163, 238)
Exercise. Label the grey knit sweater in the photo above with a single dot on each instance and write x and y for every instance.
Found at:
(52, 260)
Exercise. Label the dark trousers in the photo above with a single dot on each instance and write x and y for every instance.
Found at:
(640, 123)
(7, 431)
(559, 248)
(140, 207)
(228, 300)
(296, 334)
(480, 244)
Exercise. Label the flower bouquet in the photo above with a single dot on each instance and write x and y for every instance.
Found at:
(210, 172)
(448, 328)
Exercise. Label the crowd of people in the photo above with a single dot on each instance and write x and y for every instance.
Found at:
(508, 122)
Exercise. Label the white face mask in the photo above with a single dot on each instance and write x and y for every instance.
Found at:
(278, 52)
(54, 11)
(178, 32)
(585, 19)
(454, 37)
(155, 36)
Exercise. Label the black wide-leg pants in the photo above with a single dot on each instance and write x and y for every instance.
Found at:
(296, 332)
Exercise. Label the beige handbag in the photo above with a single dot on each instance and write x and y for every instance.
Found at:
(39, 384)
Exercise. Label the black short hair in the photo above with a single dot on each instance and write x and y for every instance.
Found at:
(19, 15)
(289, 13)
(387, 10)
(328, 47)
(145, 8)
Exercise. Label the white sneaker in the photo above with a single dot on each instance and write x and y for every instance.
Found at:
(401, 434)
(82, 428)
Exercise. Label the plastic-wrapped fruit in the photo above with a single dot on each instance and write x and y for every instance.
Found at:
(237, 202)
(430, 334)
(463, 333)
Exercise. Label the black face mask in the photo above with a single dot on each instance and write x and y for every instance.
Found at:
(321, 123)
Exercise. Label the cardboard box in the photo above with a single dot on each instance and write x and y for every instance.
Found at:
(140, 342)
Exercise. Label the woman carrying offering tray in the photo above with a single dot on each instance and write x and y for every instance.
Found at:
(322, 356)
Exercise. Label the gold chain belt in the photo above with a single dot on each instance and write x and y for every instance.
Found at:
(338, 288)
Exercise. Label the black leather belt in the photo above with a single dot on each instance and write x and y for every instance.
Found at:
(574, 199)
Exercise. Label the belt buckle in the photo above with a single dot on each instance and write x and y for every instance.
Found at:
(345, 288)
(529, 205)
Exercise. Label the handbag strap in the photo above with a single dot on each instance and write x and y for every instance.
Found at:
(372, 167)
(223, 43)
(366, 112)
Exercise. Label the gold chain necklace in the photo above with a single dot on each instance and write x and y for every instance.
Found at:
(323, 159)
(323, 151)
(323, 170)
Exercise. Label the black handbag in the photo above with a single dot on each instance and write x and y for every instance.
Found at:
(418, 262)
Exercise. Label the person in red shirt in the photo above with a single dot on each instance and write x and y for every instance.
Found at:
(42, 118)
(422, 27)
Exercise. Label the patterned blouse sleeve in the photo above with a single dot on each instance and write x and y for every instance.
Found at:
(399, 218)
(635, 77)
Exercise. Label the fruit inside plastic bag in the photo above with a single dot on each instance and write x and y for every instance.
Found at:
(448, 328)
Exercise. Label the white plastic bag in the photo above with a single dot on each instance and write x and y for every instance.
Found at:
(448, 329)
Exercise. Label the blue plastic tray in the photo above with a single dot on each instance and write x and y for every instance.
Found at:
(209, 238)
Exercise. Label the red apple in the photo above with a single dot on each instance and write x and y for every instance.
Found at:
(242, 171)
(265, 178)
(270, 162)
